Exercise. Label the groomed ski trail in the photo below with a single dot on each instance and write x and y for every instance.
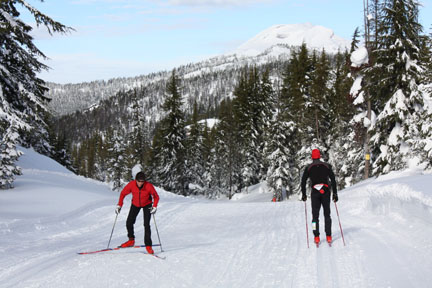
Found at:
(262, 244)
(249, 242)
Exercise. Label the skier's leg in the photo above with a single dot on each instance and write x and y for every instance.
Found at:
(147, 229)
(316, 206)
(326, 209)
(133, 213)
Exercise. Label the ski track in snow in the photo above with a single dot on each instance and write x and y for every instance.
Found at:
(244, 243)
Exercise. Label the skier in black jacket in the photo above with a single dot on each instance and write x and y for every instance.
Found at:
(319, 173)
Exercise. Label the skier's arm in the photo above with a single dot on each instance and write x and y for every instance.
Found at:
(126, 190)
(303, 180)
(333, 181)
(154, 194)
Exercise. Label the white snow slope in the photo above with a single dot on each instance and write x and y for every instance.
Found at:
(250, 242)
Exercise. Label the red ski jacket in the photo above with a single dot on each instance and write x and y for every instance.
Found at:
(140, 197)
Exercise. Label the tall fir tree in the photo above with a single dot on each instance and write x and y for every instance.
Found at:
(399, 59)
(295, 87)
(195, 161)
(8, 157)
(347, 155)
(246, 110)
(138, 146)
(171, 152)
(268, 110)
(318, 103)
(280, 172)
(225, 167)
(22, 100)
(117, 168)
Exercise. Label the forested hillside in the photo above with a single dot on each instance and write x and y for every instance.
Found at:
(366, 109)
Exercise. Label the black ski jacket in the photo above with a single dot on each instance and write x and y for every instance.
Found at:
(319, 173)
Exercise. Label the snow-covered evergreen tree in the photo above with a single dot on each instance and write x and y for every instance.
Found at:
(399, 60)
(279, 173)
(318, 102)
(268, 111)
(8, 156)
(195, 161)
(117, 168)
(22, 99)
(353, 149)
(246, 111)
(138, 135)
(171, 152)
(225, 162)
(343, 149)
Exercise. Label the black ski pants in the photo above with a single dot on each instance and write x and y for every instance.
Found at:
(133, 213)
(318, 199)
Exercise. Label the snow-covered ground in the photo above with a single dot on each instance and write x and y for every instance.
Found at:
(249, 242)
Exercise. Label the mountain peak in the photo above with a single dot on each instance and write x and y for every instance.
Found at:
(315, 37)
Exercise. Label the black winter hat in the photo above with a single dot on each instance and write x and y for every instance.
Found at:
(140, 176)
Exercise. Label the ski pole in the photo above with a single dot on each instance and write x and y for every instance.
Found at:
(112, 231)
(157, 232)
(307, 229)
(340, 226)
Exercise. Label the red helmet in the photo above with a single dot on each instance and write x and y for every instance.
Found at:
(316, 154)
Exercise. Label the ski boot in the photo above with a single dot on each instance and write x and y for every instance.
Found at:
(149, 249)
(129, 243)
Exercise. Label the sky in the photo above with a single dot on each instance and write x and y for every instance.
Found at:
(126, 38)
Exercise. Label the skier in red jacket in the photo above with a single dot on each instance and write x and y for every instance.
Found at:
(144, 196)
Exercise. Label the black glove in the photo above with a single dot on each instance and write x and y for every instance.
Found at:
(335, 197)
(304, 197)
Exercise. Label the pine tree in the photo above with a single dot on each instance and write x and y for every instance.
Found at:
(346, 150)
(117, 167)
(138, 139)
(225, 162)
(244, 112)
(399, 61)
(318, 102)
(295, 92)
(279, 174)
(171, 152)
(340, 101)
(8, 156)
(268, 108)
(252, 113)
(22, 100)
(61, 152)
(195, 162)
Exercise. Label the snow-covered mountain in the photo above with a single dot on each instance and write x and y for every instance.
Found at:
(52, 214)
(314, 36)
(273, 44)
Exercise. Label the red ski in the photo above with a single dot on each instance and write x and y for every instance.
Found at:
(97, 251)
(118, 248)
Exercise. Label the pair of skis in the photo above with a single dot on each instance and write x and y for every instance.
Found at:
(119, 248)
